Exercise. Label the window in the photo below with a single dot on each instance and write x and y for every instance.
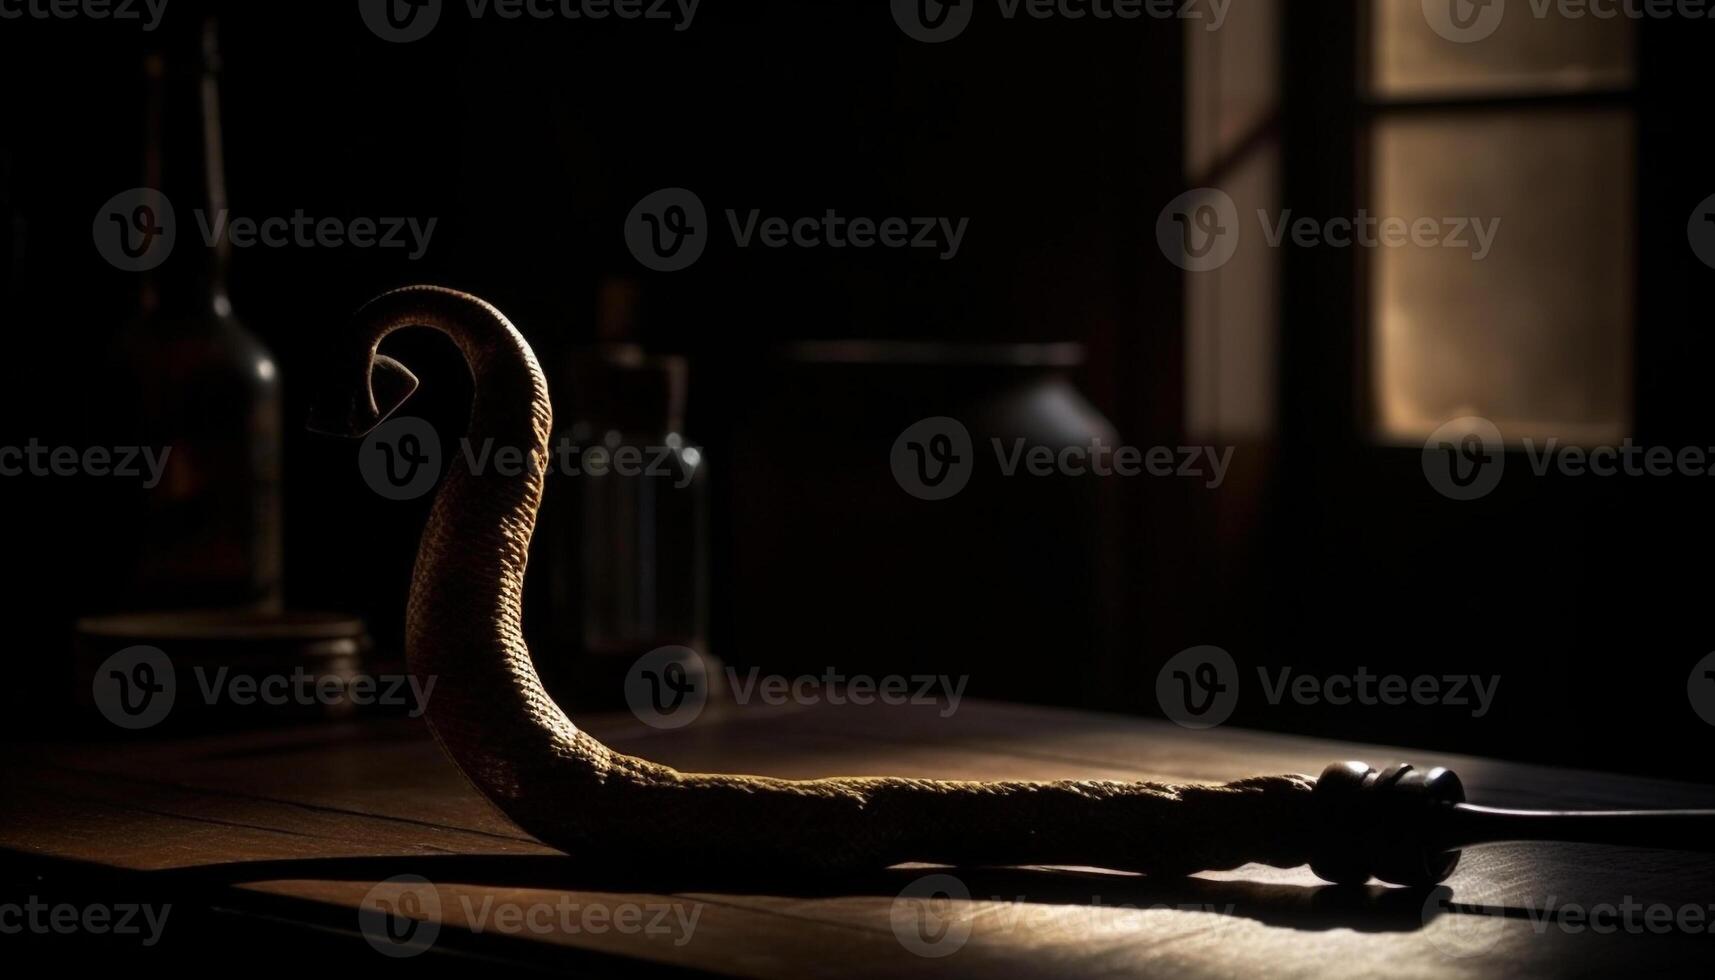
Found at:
(1233, 143)
(1529, 126)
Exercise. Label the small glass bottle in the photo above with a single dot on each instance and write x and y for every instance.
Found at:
(191, 378)
(633, 542)
(643, 493)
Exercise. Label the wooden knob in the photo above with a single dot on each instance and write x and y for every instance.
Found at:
(1389, 825)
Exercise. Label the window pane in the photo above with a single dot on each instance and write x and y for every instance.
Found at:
(1536, 335)
(1233, 81)
(1523, 54)
(1232, 315)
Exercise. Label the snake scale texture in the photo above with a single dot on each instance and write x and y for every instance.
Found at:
(500, 727)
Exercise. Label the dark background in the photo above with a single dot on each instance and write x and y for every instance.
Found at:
(1061, 141)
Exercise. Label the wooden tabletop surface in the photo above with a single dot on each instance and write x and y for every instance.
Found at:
(294, 832)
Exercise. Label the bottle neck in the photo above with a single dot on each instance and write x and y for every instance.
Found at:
(184, 161)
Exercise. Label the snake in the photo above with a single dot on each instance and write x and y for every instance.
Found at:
(498, 725)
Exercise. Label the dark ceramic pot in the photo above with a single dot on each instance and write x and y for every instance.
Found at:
(837, 562)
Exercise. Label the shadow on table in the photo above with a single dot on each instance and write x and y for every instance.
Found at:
(1309, 908)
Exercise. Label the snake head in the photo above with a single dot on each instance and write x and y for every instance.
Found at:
(351, 406)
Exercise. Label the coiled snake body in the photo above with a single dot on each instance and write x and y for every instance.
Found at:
(497, 723)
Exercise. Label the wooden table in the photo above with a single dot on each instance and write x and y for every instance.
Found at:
(268, 844)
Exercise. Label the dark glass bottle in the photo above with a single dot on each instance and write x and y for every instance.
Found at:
(629, 525)
(192, 377)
